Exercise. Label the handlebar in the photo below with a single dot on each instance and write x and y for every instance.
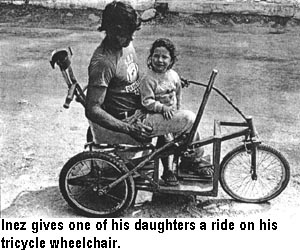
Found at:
(62, 59)
(70, 96)
(186, 83)
(248, 119)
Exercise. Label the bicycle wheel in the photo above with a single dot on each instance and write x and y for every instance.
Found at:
(273, 174)
(85, 174)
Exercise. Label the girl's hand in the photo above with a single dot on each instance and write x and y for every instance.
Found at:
(168, 112)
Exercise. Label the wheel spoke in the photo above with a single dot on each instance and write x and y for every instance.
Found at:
(268, 164)
(271, 170)
(237, 182)
(115, 198)
(264, 185)
(81, 178)
(81, 192)
(241, 164)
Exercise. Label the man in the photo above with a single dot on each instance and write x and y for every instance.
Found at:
(113, 100)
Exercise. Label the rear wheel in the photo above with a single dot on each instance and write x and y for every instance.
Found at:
(83, 177)
(237, 180)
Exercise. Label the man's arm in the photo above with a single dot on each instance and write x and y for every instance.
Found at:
(94, 112)
(94, 99)
(101, 71)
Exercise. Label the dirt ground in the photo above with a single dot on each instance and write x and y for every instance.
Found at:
(258, 64)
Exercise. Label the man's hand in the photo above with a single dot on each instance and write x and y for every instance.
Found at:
(140, 132)
(168, 112)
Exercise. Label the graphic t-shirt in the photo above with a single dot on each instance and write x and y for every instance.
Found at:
(117, 70)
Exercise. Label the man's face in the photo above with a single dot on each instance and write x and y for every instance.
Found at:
(120, 37)
(124, 38)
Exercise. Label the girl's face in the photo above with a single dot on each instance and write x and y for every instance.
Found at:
(160, 59)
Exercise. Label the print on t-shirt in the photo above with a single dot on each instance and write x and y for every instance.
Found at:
(132, 75)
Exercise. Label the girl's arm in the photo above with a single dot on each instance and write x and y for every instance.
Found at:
(147, 89)
(178, 92)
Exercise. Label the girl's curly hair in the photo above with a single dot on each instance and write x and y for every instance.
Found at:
(163, 42)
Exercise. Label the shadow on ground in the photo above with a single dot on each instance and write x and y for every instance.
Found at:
(48, 202)
(166, 205)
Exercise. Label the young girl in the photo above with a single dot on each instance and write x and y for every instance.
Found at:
(161, 86)
(161, 90)
(161, 93)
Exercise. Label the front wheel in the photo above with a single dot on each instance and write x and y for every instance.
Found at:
(272, 174)
(83, 177)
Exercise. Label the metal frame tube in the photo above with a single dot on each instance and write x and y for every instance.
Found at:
(202, 106)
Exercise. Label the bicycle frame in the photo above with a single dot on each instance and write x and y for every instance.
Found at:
(179, 146)
(184, 144)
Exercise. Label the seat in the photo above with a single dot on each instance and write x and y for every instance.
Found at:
(102, 135)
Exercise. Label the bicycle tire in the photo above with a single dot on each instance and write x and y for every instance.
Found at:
(235, 174)
(79, 184)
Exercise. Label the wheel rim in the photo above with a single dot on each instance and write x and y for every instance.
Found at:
(270, 176)
(84, 180)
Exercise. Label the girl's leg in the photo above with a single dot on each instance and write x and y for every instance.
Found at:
(181, 123)
(168, 175)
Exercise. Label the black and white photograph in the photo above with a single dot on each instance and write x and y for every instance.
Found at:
(150, 109)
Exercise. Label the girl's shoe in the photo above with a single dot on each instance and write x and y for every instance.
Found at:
(169, 178)
(201, 167)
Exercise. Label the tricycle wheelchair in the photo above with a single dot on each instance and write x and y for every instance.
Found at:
(98, 182)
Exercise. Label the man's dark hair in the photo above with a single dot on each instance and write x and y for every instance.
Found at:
(119, 16)
(163, 42)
